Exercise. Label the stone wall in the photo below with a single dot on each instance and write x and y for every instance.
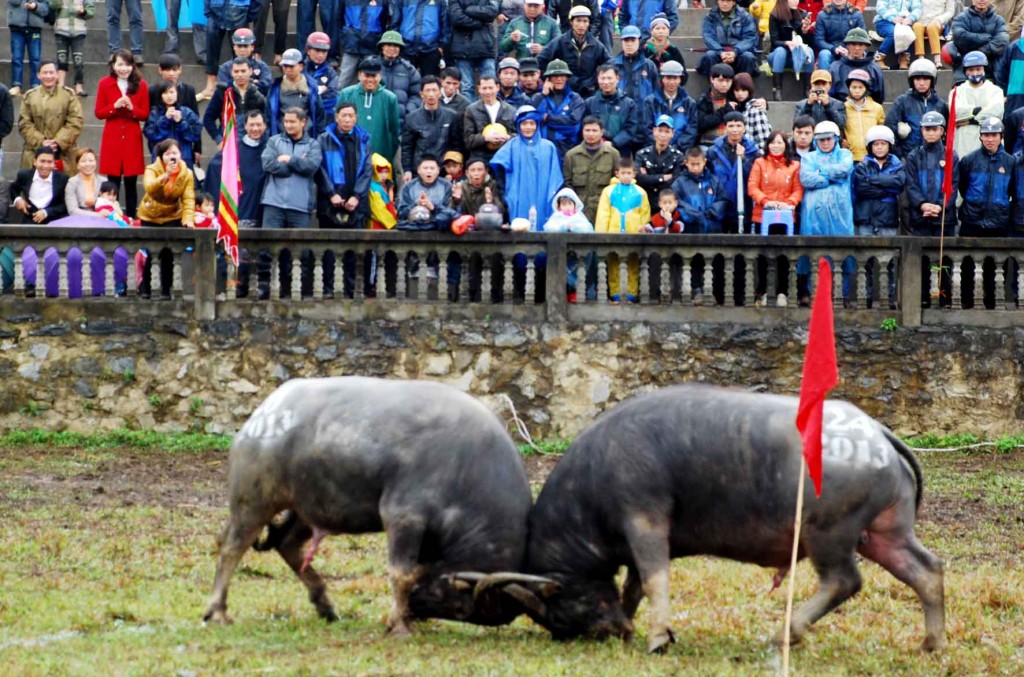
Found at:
(106, 366)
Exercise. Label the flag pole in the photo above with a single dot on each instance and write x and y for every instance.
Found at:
(797, 522)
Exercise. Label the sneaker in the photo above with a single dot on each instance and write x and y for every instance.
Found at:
(138, 59)
(431, 273)
(874, 35)
(880, 61)
(14, 91)
(761, 301)
(849, 304)
(632, 298)
(781, 301)
(937, 60)
(204, 95)
(904, 61)
(698, 297)
(804, 301)
(571, 297)
(614, 299)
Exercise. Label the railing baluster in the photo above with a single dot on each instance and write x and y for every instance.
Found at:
(979, 283)
(602, 277)
(644, 287)
(1000, 284)
(318, 273)
(296, 290)
(729, 294)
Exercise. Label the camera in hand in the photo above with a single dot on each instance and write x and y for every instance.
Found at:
(819, 92)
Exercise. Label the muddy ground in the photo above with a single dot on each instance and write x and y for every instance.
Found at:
(199, 480)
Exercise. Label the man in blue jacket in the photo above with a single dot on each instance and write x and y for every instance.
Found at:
(904, 118)
(560, 108)
(323, 72)
(343, 186)
(580, 50)
(473, 39)
(640, 12)
(672, 100)
(363, 22)
(295, 89)
(730, 34)
(830, 30)
(977, 29)
(987, 178)
(427, 30)
(619, 115)
(638, 75)
(722, 156)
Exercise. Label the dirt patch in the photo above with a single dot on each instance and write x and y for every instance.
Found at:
(150, 478)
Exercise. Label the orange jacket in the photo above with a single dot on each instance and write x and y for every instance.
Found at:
(772, 180)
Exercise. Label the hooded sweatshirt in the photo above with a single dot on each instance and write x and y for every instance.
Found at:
(567, 223)
(383, 211)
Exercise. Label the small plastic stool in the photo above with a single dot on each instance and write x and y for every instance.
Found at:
(777, 217)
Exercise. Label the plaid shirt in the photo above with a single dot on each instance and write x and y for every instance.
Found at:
(758, 126)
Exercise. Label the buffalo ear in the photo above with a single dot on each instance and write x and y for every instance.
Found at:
(527, 598)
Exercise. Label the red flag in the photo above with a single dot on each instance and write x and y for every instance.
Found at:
(821, 373)
(947, 177)
(227, 210)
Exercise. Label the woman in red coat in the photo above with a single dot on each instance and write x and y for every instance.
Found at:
(122, 99)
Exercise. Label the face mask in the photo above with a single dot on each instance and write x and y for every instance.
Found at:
(976, 79)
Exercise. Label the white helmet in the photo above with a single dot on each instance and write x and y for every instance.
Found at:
(880, 133)
(922, 68)
(826, 128)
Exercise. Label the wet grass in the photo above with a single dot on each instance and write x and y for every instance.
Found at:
(108, 558)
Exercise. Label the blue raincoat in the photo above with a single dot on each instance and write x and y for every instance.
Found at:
(828, 202)
(533, 173)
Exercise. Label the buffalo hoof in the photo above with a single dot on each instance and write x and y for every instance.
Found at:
(779, 639)
(659, 642)
(217, 617)
(328, 614)
(931, 644)
(400, 631)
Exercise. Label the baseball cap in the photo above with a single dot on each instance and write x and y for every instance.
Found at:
(630, 32)
(291, 57)
(664, 121)
(452, 156)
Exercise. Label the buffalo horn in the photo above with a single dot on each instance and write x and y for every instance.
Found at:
(529, 600)
(508, 577)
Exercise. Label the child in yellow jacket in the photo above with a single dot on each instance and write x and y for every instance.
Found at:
(862, 113)
(623, 208)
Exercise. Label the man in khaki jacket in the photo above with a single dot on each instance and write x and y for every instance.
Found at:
(588, 168)
(51, 115)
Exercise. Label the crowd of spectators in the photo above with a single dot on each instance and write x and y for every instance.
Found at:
(513, 114)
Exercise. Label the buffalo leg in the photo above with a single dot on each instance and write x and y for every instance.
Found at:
(632, 592)
(238, 536)
(839, 580)
(404, 541)
(291, 550)
(648, 542)
(898, 551)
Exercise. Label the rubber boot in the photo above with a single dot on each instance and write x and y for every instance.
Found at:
(777, 87)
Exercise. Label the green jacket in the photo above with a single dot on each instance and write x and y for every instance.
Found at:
(378, 114)
(542, 31)
(69, 22)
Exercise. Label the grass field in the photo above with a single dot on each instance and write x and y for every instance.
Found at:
(108, 558)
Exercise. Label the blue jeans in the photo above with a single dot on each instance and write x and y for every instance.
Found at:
(607, 36)
(467, 66)
(33, 39)
(825, 59)
(134, 8)
(782, 57)
(885, 29)
(330, 21)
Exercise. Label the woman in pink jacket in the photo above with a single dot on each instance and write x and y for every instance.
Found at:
(122, 100)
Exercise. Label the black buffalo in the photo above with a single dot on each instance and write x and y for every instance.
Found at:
(697, 470)
(424, 462)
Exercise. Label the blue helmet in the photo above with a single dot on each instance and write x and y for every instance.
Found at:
(975, 59)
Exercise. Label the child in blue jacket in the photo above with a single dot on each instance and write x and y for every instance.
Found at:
(702, 206)
(878, 181)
